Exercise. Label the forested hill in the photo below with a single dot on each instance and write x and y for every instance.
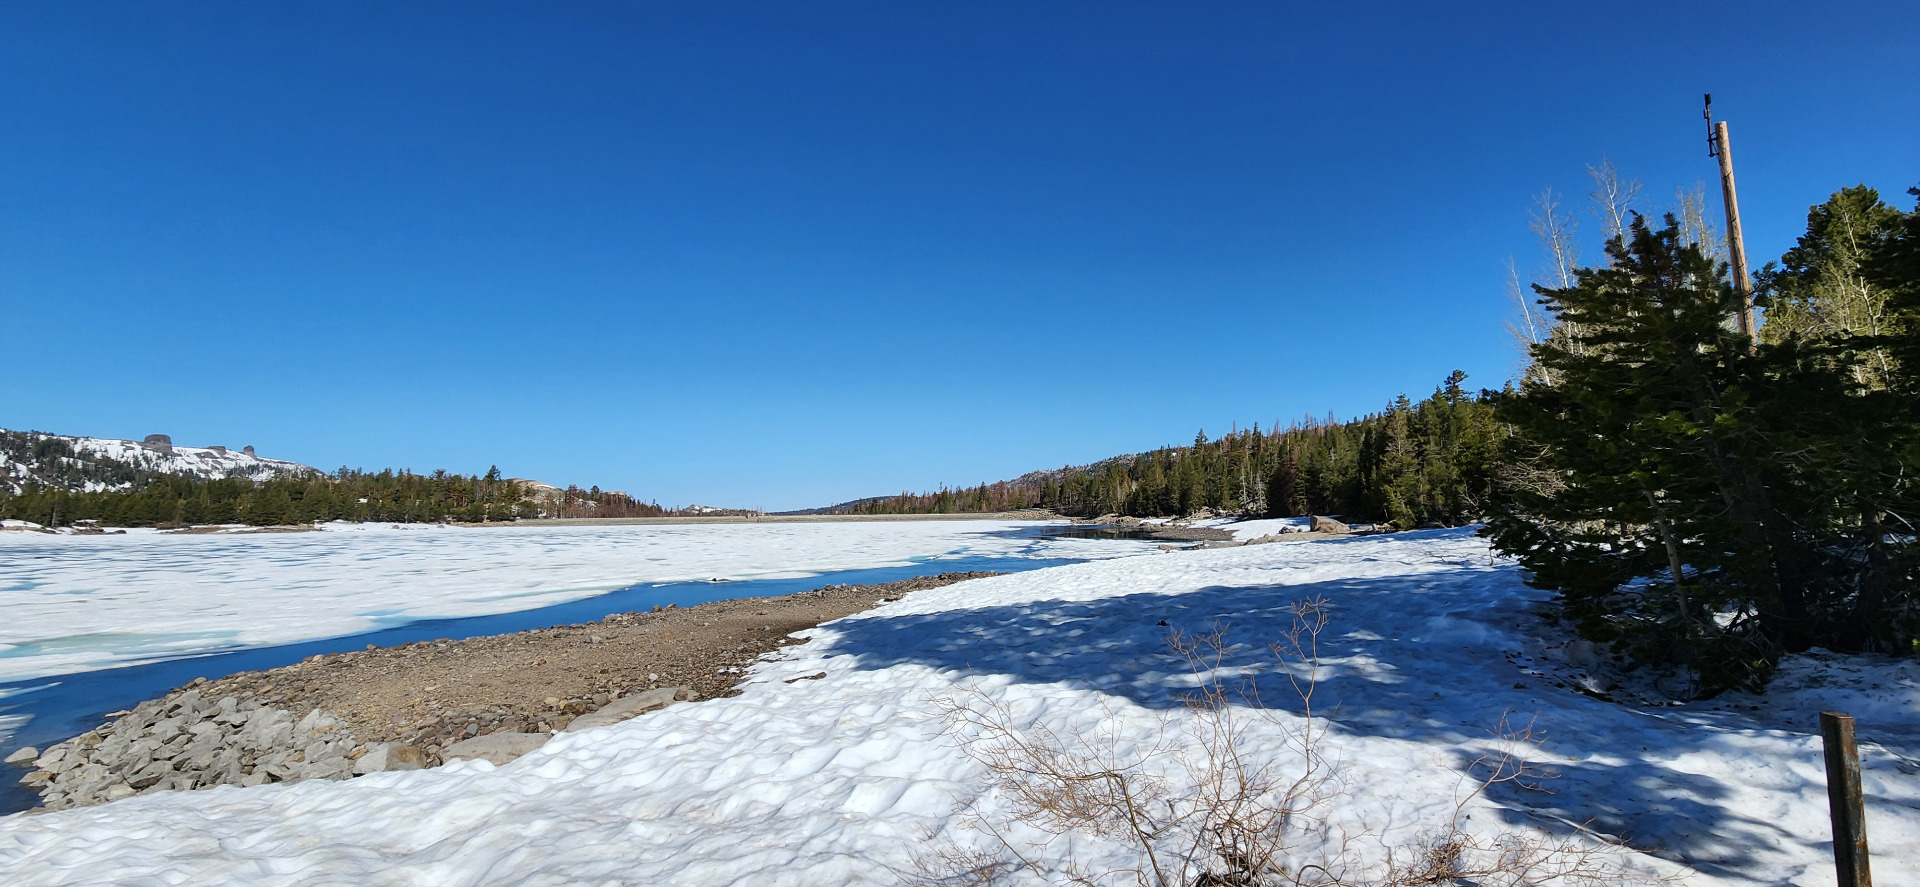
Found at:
(58, 480)
(1413, 463)
(56, 461)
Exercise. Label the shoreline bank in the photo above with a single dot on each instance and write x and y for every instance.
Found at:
(411, 705)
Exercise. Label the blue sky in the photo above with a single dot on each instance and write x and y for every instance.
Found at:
(784, 254)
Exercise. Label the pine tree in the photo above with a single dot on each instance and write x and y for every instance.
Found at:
(1823, 288)
(1694, 501)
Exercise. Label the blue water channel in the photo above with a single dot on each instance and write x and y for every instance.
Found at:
(64, 706)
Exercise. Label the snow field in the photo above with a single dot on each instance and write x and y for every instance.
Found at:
(840, 780)
(76, 603)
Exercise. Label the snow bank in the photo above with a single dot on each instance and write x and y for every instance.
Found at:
(1273, 526)
(83, 602)
(838, 780)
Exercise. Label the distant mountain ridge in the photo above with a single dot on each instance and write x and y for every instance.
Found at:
(95, 464)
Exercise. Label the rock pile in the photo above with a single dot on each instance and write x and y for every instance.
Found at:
(185, 741)
(188, 740)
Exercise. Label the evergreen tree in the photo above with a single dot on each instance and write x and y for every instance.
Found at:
(1692, 499)
(1824, 288)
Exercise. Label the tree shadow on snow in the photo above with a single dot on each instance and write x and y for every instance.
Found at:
(1446, 681)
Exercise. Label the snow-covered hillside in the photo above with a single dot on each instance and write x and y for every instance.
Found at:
(94, 463)
(843, 779)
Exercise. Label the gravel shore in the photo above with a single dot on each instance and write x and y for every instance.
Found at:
(333, 716)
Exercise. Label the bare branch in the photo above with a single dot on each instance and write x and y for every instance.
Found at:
(1612, 198)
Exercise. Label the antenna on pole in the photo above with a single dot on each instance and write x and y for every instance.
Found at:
(1719, 145)
(1713, 142)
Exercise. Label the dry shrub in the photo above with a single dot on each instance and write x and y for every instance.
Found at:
(1236, 819)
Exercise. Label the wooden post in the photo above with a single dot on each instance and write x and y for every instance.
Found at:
(1848, 809)
(1720, 146)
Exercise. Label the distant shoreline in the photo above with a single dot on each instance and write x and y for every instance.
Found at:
(236, 529)
(765, 519)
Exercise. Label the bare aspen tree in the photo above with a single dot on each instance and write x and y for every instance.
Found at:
(1529, 329)
(1840, 301)
(1612, 197)
(1531, 325)
(1555, 231)
(1696, 227)
(1861, 307)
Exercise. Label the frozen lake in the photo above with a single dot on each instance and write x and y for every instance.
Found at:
(78, 603)
(97, 623)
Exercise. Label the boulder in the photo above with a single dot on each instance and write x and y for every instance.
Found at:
(621, 709)
(24, 756)
(330, 768)
(111, 751)
(150, 774)
(204, 745)
(496, 748)
(1328, 525)
(316, 721)
(282, 765)
(384, 756)
(268, 732)
(166, 728)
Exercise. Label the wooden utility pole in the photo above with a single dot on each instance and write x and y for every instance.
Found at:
(1848, 809)
(1718, 145)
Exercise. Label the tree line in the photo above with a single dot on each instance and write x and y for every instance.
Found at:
(168, 500)
(1414, 463)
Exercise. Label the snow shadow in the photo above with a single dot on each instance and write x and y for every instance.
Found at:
(1420, 658)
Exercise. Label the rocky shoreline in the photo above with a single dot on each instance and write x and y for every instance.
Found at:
(1181, 530)
(422, 704)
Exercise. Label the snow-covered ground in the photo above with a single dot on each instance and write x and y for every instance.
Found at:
(75, 603)
(840, 780)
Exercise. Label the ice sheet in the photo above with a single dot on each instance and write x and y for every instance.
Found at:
(75, 603)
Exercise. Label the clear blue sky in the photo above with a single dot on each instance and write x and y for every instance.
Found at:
(783, 254)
